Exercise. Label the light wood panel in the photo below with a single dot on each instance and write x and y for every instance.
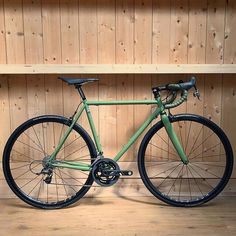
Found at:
(51, 31)
(88, 31)
(230, 48)
(69, 31)
(107, 84)
(161, 31)
(2, 35)
(14, 31)
(4, 112)
(86, 38)
(172, 28)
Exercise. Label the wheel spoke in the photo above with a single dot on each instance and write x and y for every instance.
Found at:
(204, 179)
(163, 149)
(71, 177)
(168, 175)
(175, 180)
(65, 146)
(34, 186)
(190, 193)
(40, 142)
(188, 137)
(27, 171)
(165, 171)
(26, 144)
(205, 170)
(75, 151)
(29, 182)
(205, 151)
(165, 142)
(195, 181)
(200, 144)
(195, 141)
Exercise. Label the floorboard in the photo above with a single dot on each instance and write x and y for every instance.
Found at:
(119, 216)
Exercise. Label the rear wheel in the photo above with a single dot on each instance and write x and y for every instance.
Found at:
(24, 161)
(203, 178)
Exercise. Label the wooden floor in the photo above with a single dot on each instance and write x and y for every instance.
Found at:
(119, 216)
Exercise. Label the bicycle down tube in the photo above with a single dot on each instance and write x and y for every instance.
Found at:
(158, 111)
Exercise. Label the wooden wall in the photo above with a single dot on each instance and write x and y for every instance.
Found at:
(124, 31)
(109, 31)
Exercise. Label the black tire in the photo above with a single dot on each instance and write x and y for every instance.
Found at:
(203, 178)
(22, 162)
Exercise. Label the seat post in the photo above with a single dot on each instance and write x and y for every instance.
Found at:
(81, 92)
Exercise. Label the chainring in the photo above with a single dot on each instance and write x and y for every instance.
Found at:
(102, 170)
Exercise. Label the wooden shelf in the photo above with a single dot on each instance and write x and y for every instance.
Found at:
(118, 69)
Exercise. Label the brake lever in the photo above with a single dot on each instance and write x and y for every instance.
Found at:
(196, 93)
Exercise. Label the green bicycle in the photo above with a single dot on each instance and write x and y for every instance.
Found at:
(184, 160)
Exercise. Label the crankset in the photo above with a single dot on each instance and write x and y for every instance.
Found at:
(106, 172)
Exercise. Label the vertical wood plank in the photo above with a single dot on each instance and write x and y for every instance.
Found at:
(161, 31)
(124, 54)
(54, 101)
(18, 100)
(34, 54)
(229, 108)
(124, 31)
(214, 54)
(88, 31)
(197, 32)
(229, 82)
(16, 54)
(88, 26)
(4, 112)
(106, 31)
(197, 49)
(179, 50)
(142, 55)
(215, 31)
(33, 31)
(107, 116)
(230, 33)
(51, 31)
(125, 114)
(107, 85)
(4, 98)
(52, 54)
(69, 31)
(2, 35)
(179, 31)
(14, 32)
(143, 32)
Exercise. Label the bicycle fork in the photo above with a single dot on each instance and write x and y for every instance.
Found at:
(173, 137)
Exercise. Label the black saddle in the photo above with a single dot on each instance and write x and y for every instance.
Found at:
(78, 81)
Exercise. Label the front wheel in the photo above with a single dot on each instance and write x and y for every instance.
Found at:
(24, 162)
(210, 161)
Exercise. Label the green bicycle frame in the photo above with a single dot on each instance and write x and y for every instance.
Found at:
(160, 110)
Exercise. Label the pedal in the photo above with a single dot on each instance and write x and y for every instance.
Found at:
(117, 172)
(126, 172)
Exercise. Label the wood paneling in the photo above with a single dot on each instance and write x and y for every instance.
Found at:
(132, 32)
(169, 31)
